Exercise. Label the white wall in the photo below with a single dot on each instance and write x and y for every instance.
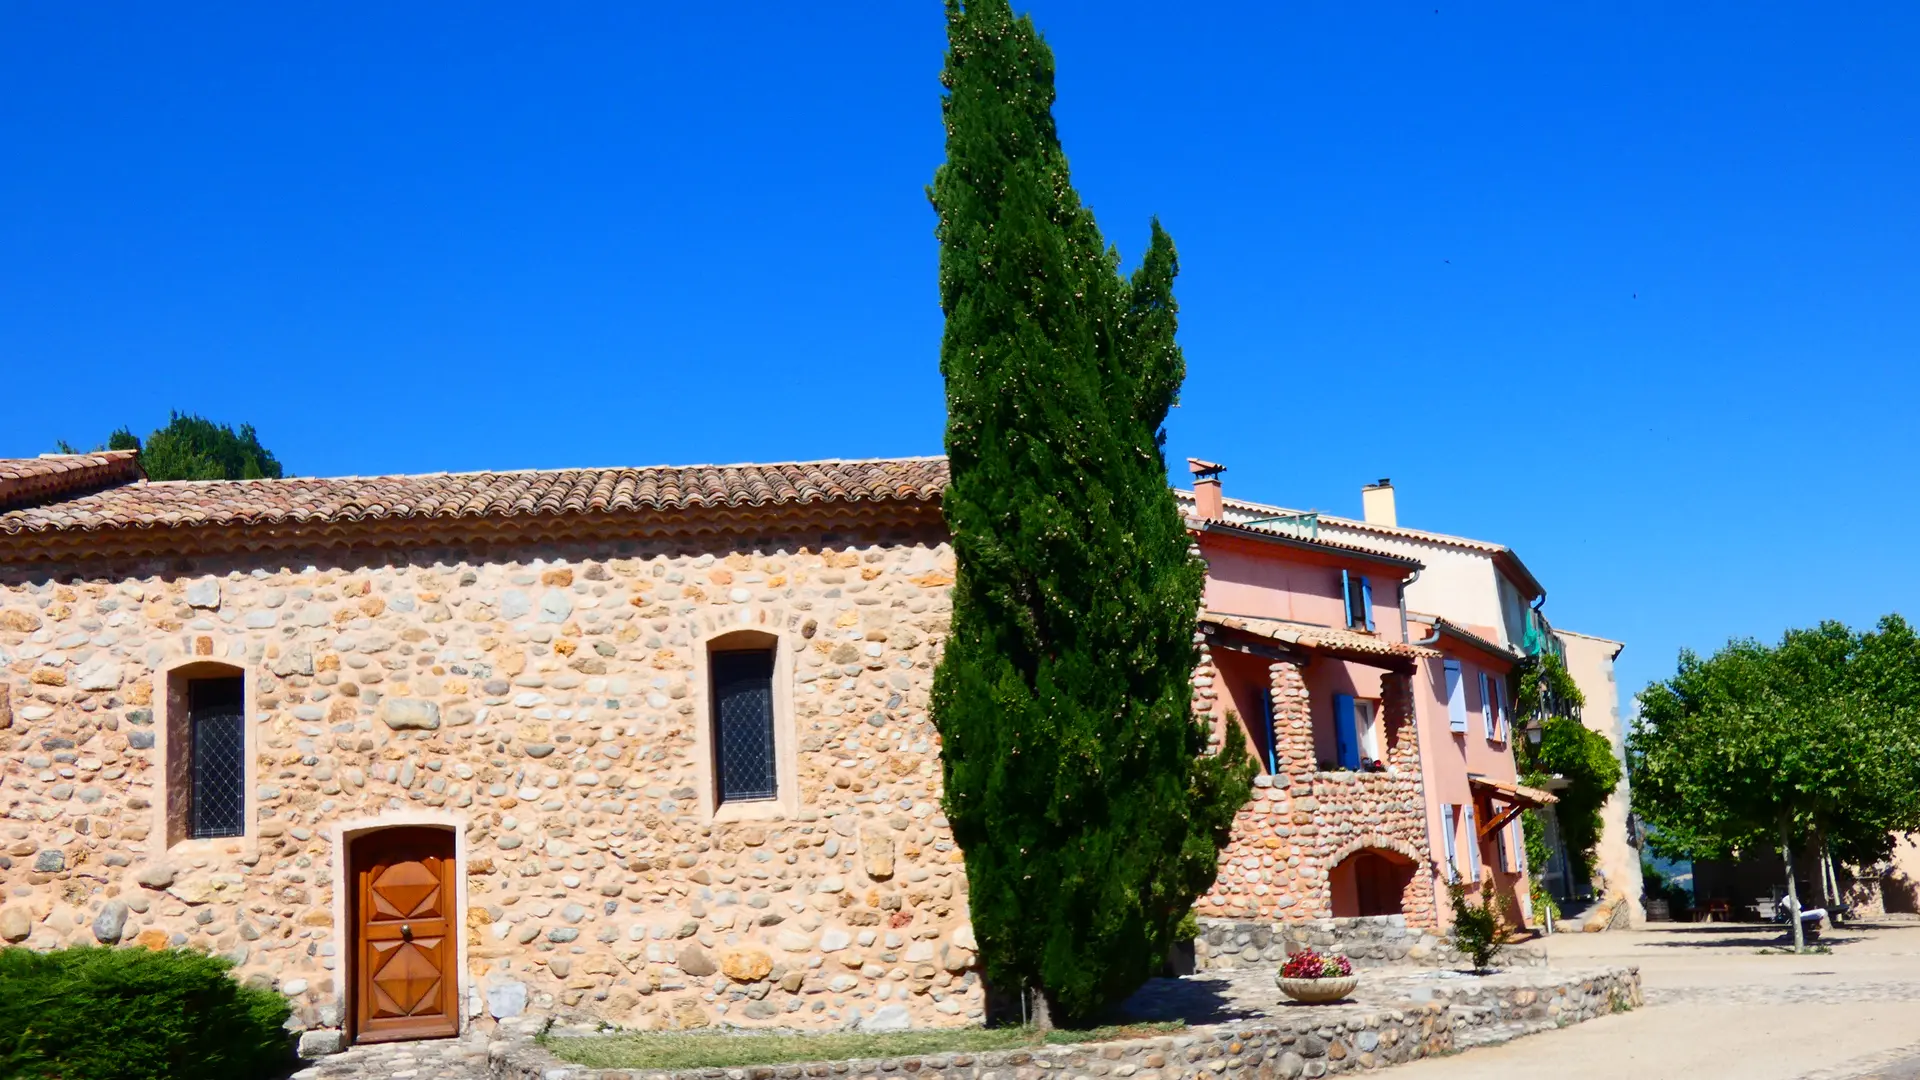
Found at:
(1590, 662)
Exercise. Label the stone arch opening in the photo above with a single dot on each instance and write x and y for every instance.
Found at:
(1372, 881)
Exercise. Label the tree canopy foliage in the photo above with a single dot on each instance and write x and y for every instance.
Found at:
(195, 448)
(1762, 745)
(1078, 781)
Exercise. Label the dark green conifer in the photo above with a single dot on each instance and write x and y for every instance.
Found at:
(1078, 782)
(195, 448)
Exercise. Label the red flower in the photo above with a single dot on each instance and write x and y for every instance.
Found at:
(1307, 964)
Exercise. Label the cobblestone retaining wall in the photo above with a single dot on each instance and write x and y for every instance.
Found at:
(1374, 941)
(545, 701)
(1310, 1042)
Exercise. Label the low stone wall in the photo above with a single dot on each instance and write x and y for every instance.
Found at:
(1369, 942)
(1301, 1041)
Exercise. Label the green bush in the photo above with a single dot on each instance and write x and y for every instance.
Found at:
(131, 1014)
(1477, 929)
(1188, 928)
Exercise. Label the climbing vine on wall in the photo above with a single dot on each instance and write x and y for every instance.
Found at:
(1557, 744)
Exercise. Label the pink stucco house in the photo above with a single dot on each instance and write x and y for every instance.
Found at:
(1383, 736)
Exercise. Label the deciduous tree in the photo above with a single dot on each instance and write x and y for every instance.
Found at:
(1761, 746)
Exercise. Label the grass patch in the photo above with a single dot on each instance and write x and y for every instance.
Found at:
(681, 1050)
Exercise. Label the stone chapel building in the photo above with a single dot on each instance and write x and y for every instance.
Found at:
(647, 744)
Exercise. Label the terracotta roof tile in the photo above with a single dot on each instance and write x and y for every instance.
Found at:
(1460, 633)
(26, 480)
(1282, 536)
(1309, 636)
(306, 500)
(1512, 792)
(1241, 510)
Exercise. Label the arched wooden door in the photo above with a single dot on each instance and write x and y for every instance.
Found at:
(406, 935)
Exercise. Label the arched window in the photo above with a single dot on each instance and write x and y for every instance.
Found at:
(206, 752)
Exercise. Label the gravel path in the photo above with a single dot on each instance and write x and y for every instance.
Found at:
(1719, 1006)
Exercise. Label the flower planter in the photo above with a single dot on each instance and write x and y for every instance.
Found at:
(1318, 991)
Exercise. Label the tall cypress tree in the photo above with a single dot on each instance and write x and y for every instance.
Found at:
(1078, 781)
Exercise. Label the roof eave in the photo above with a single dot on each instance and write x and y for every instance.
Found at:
(1466, 637)
(1337, 550)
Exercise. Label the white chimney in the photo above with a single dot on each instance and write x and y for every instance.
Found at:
(1376, 504)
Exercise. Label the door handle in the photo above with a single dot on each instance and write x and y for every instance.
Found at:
(406, 932)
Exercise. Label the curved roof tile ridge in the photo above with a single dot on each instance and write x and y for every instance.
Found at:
(50, 476)
(544, 492)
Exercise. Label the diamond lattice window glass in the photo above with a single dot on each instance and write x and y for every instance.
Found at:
(216, 712)
(743, 724)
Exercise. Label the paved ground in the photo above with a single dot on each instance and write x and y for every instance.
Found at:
(464, 1058)
(1717, 1006)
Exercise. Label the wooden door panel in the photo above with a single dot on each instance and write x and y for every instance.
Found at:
(406, 948)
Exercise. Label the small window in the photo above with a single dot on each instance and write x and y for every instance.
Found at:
(1497, 724)
(1448, 839)
(1355, 735)
(1366, 720)
(217, 737)
(743, 751)
(1357, 594)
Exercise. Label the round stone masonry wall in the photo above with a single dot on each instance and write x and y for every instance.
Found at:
(1377, 941)
(546, 701)
(1296, 1042)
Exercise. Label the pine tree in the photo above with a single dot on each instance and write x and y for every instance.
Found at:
(195, 448)
(1078, 781)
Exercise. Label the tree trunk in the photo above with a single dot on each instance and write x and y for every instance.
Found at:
(1041, 1016)
(1793, 891)
(1822, 898)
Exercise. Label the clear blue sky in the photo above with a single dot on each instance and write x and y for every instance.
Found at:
(426, 236)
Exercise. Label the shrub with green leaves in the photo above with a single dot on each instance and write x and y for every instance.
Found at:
(131, 1014)
(1477, 928)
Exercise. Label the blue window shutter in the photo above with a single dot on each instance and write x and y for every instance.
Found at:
(1272, 739)
(1456, 698)
(1345, 738)
(1486, 705)
(1366, 600)
(1499, 728)
(1446, 837)
(1473, 843)
(1346, 596)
